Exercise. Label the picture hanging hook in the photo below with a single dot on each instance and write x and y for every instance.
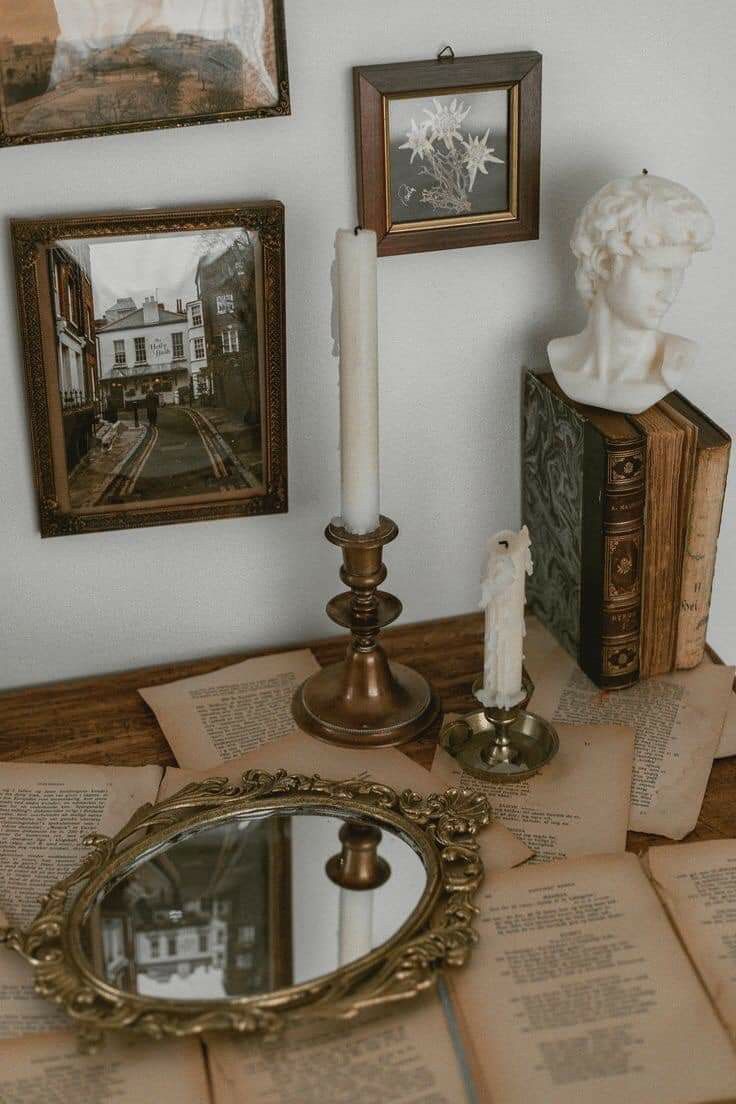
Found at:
(446, 54)
(645, 172)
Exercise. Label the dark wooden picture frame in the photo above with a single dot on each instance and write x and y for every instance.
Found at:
(232, 489)
(377, 86)
(37, 63)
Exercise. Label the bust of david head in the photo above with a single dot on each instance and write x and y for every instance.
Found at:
(633, 242)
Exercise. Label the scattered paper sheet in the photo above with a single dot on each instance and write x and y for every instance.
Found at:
(49, 1068)
(678, 720)
(406, 1058)
(580, 991)
(577, 805)
(212, 718)
(697, 882)
(301, 754)
(46, 810)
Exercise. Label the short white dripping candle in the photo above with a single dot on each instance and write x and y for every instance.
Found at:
(503, 597)
(357, 293)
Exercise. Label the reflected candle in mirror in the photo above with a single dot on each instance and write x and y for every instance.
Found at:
(359, 870)
(355, 931)
(358, 323)
(245, 907)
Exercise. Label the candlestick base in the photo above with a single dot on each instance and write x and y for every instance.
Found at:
(366, 700)
(501, 745)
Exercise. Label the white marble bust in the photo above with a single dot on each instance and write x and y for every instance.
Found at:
(633, 241)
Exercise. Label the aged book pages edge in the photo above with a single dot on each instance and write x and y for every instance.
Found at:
(661, 577)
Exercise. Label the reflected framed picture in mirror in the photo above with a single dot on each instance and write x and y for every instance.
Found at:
(75, 70)
(448, 150)
(155, 363)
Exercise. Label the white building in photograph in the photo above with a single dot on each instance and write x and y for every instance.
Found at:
(197, 349)
(146, 349)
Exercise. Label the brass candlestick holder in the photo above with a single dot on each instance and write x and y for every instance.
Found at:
(501, 745)
(366, 700)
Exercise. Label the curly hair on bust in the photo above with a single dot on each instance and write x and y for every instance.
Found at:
(632, 214)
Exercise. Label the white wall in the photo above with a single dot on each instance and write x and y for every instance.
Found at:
(627, 85)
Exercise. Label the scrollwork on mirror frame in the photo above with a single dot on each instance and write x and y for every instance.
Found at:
(443, 826)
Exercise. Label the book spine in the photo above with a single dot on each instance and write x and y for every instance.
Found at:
(613, 545)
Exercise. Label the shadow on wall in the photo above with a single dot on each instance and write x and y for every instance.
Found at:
(563, 199)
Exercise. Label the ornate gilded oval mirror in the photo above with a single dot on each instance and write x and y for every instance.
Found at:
(235, 907)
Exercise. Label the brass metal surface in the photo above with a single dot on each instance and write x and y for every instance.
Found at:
(501, 745)
(358, 866)
(366, 700)
(441, 828)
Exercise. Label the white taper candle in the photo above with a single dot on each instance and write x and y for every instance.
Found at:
(504, 584)
(358, 324)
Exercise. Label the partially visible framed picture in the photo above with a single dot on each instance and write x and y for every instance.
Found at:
(79, 68)
(448, 151)
(155, 363)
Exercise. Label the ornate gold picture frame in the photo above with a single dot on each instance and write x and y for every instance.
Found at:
(83, 70)
(440, 828)
(154, 350)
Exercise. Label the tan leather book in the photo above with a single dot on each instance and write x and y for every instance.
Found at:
(670, 463)
(710, 473)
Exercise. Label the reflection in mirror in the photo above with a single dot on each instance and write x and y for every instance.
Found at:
(246, 907)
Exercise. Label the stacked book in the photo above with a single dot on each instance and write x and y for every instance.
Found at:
(624, 513)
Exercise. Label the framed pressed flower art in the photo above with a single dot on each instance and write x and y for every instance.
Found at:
(448, 151)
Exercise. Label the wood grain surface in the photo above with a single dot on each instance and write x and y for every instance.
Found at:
(103, 719)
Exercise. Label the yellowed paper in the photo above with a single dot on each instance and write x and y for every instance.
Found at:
(301, 754)
(404, 1058)
(21, 1011)
(577, 805)
(48, 1069)
(727, 742)
(580, 991)
(211, 718)
(677, 718)
(697, 882)
(46, 810)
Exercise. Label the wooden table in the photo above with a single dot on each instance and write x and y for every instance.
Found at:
(104, 720)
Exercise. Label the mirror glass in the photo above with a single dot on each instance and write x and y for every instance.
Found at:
(247, 907)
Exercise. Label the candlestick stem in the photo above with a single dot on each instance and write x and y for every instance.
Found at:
(366, 700)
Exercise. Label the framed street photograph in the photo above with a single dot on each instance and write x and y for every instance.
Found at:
(448, 151)
(155, 363)
(79, 68)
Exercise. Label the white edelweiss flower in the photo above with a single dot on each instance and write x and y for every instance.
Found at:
(476, 155)
(417, 141)
(445, 121)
